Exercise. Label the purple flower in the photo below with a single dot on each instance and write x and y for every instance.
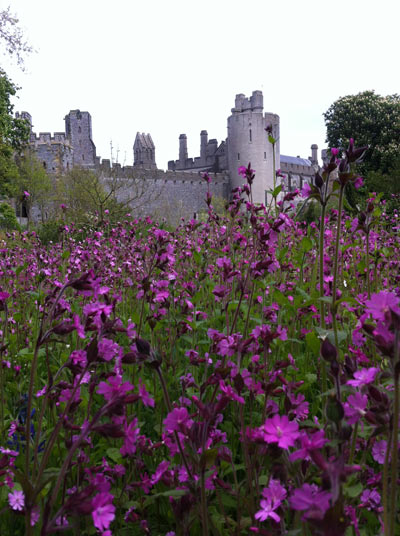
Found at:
(131, 432)
(309, 442)
(280, 430)
(163, 466)
(267, 510)
(310, 499)
(371, 500)
(103, 510)
(358, 182)
(26, 194)
(177, 418)
(144, 395)
(355, 406)
(306, 190)
(230, 393)
(275, 492)
(114, 387)
(107, 349)
(379, 451)
(381, 303)
(363, 377)
(16, 500)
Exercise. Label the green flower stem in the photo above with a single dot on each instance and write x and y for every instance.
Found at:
(204, 514)
(335, 268)
(353, 444)
(274, 172)
(321, 290)
(395, 446)
(169, 406)
(385, 487)
(367, 261)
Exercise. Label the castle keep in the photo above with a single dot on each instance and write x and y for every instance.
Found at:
(181, 189)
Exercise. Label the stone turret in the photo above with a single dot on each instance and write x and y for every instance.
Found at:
(203, 146)
(248, 143)
(144, 152)
(183, 152)
(314, 153)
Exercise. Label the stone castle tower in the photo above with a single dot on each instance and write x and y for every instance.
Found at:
(144, 152)
(78, 129)
(248, 142)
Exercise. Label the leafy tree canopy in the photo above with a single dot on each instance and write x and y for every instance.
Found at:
(371, 120)
(14, 135)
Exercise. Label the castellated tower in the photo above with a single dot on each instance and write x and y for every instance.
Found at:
(78, 129)
(248, 142)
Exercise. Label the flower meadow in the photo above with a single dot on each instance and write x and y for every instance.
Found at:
(234, 376)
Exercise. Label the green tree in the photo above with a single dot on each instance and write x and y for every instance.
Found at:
(85, 196)
(14, 135)
(371, 120)
(32, 178)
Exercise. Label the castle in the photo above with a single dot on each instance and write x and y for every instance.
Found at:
(181, 188)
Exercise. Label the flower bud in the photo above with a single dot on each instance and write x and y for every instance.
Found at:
(328, 350)
(318, 180)
(334, 410)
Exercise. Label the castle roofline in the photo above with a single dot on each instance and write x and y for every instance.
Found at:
(295, 160)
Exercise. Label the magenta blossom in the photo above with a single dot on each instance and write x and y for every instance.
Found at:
(309, 442)
(103, 510)
(311, 500)
(379, 451)
(176, 419)
(114, 387)
(355, 406)
(363, 376)
(267, 510)
(162, 467)
(280, 430)
(306, 190)
(381, 303)
(16, 500)
(275, 492)
(358, 183)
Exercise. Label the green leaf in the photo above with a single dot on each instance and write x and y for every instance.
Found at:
(114, 454)
(353, 491)
(277, 191)
(313, 343)
(306, 244)
(311, 378)
(20, 268)
(208, 458)
(66, 255)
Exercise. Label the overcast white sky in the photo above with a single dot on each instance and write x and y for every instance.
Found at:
(174, 66)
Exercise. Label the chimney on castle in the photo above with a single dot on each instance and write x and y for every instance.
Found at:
(183, 154)
(203, 146)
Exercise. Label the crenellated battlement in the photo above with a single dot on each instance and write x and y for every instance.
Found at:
(47, 137)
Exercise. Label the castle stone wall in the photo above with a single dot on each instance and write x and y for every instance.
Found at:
(163, 194)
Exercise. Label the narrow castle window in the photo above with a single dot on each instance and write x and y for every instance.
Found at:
(265, 155)
(44, 164)
(250, 136)
(238, 156)
(79, 130)
(83, 157)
